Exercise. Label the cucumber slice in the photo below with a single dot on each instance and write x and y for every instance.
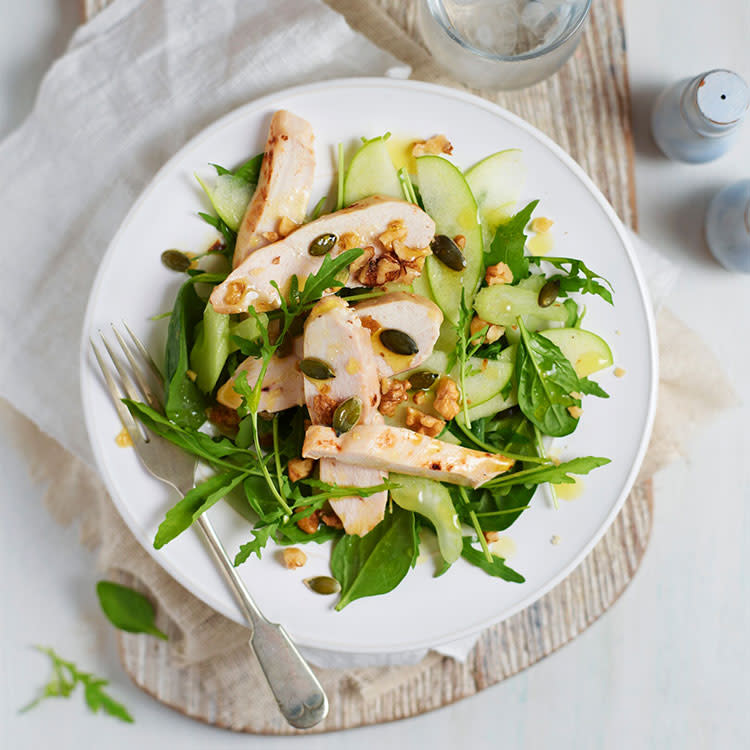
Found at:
(371, 172)
(496, 183)
(490, 408)
(229, 196)
(502, 304)
(587, 352)
(211, 348)
(489, 378)
(421, 286)
(448, 200)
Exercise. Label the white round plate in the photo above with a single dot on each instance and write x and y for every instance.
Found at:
(133, 285)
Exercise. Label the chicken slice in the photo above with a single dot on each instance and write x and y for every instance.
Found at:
(282, 385)
(360, 225)
(414, 315)
(284, 185)
(334, 334)
(401, 450)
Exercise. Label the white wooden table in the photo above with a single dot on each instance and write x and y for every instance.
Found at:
(666, 667)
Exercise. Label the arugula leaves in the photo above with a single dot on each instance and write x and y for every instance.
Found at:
(545, 380)
(66, 677)
(467, 345)
(577, 278)
(496, 567)
(508, 244)
(127, 609)
(553, 473)
(184, 403)
(377, 562)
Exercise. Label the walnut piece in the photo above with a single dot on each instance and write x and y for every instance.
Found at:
(388, 269)
(396, 231)
(309, 524)
(294, 557)
(491, 536)
(234, 293)
(460, 240)
(419, 397)
(447, 398)
(393, 393)
(423, 423)
(403, 252)
(286, 226)
(225, 418)
(329, 518)
(541, 224)
(324, 406)
(493, 332)
(575, 411)
(349, 240)
(498, 274)
(270, 236)
(299, 468)
(438, 144)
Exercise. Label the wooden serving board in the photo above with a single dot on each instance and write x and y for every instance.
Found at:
(585, 107)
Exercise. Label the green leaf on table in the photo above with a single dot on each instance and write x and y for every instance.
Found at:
(508, 244)
(127, 609)
(496, 568)
(64, 680)
(377, 562)
(577, 278)
(545, 380)
(184, 403)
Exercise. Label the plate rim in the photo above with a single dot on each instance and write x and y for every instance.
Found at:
(444, 92)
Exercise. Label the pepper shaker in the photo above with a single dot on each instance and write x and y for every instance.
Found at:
(728, 226)
(698, 119)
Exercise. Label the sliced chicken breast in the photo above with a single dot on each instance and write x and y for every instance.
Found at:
(334, 334)
(401, 450)
(370, 224)
(284, 185)
(282, 385)
(416, 316)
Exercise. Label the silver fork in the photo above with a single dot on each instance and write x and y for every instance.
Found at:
(299, 695)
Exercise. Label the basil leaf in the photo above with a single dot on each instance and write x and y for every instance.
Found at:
(195, 502)
(496, 568)
(545, 380)
(184, 403)
(127, 609)
(508, 244)
(377, 562)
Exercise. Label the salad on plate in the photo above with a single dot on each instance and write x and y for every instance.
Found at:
(381, 368)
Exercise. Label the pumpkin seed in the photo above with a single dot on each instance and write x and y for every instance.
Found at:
(175, 260)
(346, 415)
(323, 244)
(316, 369)
(323, 585)
(398, 342)
(448, 252)
(422, 380)
(548, 293)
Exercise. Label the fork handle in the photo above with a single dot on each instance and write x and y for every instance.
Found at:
(298, 693)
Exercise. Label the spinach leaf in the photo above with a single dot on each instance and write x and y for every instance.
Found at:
(64, 680)
(508, 243)
(499, 508)
(554, 473)
(127, 609)
(496, 568)
(229, 235)
(377, 562)
(184, 403)
(578, 278)
(196, 502)
(544, 380)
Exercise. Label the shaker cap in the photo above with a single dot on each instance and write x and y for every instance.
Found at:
(722, 97)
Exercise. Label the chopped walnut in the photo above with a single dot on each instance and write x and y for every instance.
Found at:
(423, 423)
(388, 269)
(270, 236)
(329, 518)
(541, 224)
(234, 293)
(309, 524)
(323, 407)
(498, 274)
(349, 240)
(575, 411)
(419, 397)
(226, 419)
(286, 226)
(409, 253)
(370, 324)
(410, 271)
(393, 393)
(192, 374)
(460, 240)
(396, 231)
(491, 536)
(299, 468)
(438, 144)
(493, 332)
(294, 557)
(447, 398)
